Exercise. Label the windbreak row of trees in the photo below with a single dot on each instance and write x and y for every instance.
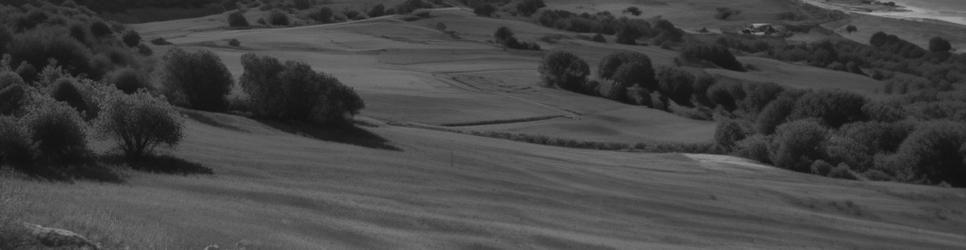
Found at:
(628, 31)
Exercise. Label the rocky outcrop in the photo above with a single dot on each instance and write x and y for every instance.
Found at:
(55, 237)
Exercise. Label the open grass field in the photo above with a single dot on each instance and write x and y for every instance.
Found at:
(275, 190)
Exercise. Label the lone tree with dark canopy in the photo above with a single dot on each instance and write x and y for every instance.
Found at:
(564, 70)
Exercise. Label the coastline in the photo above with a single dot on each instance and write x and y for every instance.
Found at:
(901, 10)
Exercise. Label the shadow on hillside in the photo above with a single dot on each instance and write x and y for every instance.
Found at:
(162, 165)
(209, 120)
(90, 171)
(351, 135)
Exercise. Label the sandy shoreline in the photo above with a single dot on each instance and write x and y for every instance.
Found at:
(900, 11)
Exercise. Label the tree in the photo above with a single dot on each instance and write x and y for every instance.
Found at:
(599, 38)
(139, 123)
(528, 7)
(58, 130)
(237, 19)
(196, 80)
(832, 107)
(564, 70)
(293, 91)
(676, 84)
(377, 11)
(628, 35)
(633, 10)
(127, 80)
(503, 34)
(716, 54)
(609, 64)
(277, 18)
(934, 151)
(938, 45)
(485, 10)
(100, 29)
(16, 147)
(131, 38)
(65, 90)
(727, 135)
(774, 114)
(796, 144)
(851, 29)
(723, 13)
(303, 4)
(323, 15)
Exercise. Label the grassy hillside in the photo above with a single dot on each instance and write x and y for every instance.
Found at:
(274, 190)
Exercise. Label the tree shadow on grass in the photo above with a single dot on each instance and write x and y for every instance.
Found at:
(88, 170)
(161, 165)
(346, 134)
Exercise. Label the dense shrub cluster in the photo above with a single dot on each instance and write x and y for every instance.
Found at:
(628, 31)
(237, 19)
(528, 7)
(564, 70)
(714, 54)
(197, 80)
(411, 5)
(278, 18)
(504, 36)
(293, 91)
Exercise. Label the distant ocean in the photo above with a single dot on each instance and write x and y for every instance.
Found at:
(953, 11)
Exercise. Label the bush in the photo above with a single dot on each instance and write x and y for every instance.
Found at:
(883, 112)
(796, 144)
(37, 47)
(934, 150)
(160, 41)
(410, 5)
(676, 84)
(9, 78)
(303, 4)
(723, 13)
(12, 99)
(726, 94)
(759, 95)
(727, 135)
(820, 167)
(234, 42)
(633, 10)
(145, 50)
(16, 148)
(377, 11)
(879, 136)
(65, 90)
(127, 80)
(599, 38)
(774, 114)
(839, 149)
(628, 35)
(939, 45)
(564, 70)
(100, 29)
(323, 15)
(27, 71)
(293, 91)
(609, 64)
(352, 14)
(139, 123)
(131, 38)
(528, 7)
(833, 107)
(58, 130)
(237, 19)
(277, 18)
(716, 54)
(485, 10)
(196, 80)
(755, 148)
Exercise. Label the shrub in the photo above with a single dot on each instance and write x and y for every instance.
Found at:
(883, 112)
(323, 15)
(723, 13)
(131, 38)
(564, 70)
(934, 149)
(774, 114)
(145, 50)
(12, 99)
(755, 148)
(485, 10)
(503, 35)
(842, 171)
(759, 95)
(352, 14)
(599, 38)
(100, 29)
(303, 4)
(796, 144)
(726, 94)
(160, 41)
(702, 83)
(628, 35)
(127, 80)
(196, 80)
(839, 149)
(377, 11)
(630, 74)
(676, 84)
(58, 130)
(727, 135)
(139, 123)
(293, 91)
(234, 42)
(716, 54)
(16, 148)
(938, 44)
(820, 167)
(65, 90)
(633, 10)
(37, 47)
(410, 5)
(528, 7)
(833, 107)
(27, 72)
(879, 136)
(9, 78)
(277, 18)
(609, 64)
(237, 19)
